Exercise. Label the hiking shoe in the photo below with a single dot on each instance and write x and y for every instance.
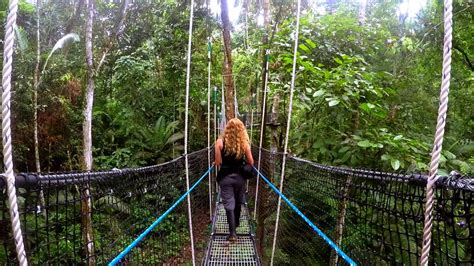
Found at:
(232, 239)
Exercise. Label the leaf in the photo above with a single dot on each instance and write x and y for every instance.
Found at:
(65, 41)
(449, 155)
(346, 157)
(395, 164)
(442, 159)
(364, 107)
(311, 43)
(398, 137)
(367, 107)
(421, 166)
(469, 148)
(175, 137)
(333, 103)
(319, 93)
(364, 143)
(442, 172)
(304, 48)
(344, 149)
(22, 37)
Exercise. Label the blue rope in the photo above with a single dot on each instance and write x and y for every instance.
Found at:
(315, 228)
(156, 222)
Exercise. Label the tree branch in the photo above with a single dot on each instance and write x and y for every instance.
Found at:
(117, 32)
(73, 20)
(465, 56)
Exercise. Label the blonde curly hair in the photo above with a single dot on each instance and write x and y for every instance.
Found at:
(235, 138)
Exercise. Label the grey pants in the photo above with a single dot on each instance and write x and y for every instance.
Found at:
(232, 194)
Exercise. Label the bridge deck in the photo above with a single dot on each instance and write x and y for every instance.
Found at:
(222, 252)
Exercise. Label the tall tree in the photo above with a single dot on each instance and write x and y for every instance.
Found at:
(227, 69)
(262, 195)
(86, 208)
(36, 87)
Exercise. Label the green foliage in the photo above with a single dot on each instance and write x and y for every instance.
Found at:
(351, 108)
(366, 93)
(21, 38)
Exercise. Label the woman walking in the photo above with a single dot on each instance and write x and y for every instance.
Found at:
(232, 152)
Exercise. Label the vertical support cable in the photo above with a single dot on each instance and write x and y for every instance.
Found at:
(214, 96)
(186, 114)
(288, 125)
(209, 49)
(236, 106)
(223, 117)
(439, 135)
(251, 120)
(251, 135)
(262, 124)
(251, 127)
(6, 131)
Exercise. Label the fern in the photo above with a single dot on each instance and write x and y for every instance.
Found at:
(22, 38)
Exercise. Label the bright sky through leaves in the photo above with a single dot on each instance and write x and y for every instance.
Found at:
(409, 7)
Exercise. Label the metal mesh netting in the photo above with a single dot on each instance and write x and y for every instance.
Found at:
(124, 203)
(382, 215)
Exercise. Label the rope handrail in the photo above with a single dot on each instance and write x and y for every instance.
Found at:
(72, 177)
(262, 124)
(311, 224)
(451, 181)
(158, 220)
(33, 180)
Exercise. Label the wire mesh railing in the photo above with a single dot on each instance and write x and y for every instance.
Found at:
(124, 203)
(377, 216)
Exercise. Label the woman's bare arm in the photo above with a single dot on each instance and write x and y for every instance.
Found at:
(248, 155)
(217, 152)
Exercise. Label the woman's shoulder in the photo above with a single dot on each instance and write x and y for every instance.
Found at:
(219, 142)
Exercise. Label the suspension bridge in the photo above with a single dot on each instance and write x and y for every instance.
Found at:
(297, 211)
(383, 219)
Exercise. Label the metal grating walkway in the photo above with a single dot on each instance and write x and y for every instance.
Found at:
(222, 252)
(221, 227)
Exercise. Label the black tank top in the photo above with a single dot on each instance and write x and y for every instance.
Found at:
(230, 160)
(230, 164)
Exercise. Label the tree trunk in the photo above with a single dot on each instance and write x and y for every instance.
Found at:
(36, 81)
(87, 125)
(86, 205)
(36, 85)
(227, 70)
(263, 194)
(341, 220)
(345, 192)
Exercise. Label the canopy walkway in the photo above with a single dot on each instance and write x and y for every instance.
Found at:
(137, 215)
(382, 223)
(222, 252)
